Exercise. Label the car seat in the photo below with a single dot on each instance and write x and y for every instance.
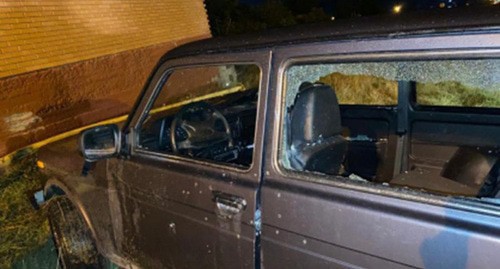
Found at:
(315, 140)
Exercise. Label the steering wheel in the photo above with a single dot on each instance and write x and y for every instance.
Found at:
(198, 126)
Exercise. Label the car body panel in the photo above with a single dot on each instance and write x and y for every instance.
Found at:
(92, 195)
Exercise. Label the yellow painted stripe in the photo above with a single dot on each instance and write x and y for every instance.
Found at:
(5, 160)
(234, 89)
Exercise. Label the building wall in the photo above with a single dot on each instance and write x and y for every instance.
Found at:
(64, 63)
(38, 34)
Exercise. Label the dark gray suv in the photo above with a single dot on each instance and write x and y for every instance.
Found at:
(362, 145)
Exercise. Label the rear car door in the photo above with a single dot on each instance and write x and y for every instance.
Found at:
(321, 210)
(193, 206)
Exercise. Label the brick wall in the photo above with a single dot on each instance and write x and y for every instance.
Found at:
(64, 64)
(46, 33)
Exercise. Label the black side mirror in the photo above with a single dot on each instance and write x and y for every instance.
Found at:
(100, 142)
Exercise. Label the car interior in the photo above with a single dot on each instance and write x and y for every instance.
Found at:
(452, 151)
(219, 129)
(316, 141)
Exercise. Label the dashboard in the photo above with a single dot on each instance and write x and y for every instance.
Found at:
(197, 134)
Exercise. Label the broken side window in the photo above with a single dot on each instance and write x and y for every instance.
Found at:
(367, 121)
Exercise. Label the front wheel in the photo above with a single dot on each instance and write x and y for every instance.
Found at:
(73, 239)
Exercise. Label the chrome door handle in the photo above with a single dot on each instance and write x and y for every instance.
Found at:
(228, 205)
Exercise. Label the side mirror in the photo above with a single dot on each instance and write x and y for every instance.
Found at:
(100, 142)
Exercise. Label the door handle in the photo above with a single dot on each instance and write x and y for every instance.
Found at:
(228, 205)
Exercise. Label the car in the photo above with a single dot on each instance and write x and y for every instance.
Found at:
(358, 144)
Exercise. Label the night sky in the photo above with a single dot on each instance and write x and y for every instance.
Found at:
(241, 16)
(328, 5)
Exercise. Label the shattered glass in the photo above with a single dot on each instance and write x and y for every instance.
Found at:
(480, 74)
(437, 83)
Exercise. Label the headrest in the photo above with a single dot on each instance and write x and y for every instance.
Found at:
(315, 113)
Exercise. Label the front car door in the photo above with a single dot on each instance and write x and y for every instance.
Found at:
(186, 197)
(387, 201)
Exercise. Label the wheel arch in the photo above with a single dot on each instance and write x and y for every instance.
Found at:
(104, 238)
(56, 187)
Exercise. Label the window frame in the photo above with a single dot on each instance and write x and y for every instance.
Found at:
(455, 109)
(307, 177)
(153, 88)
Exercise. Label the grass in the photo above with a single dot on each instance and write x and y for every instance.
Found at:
(362, 89)
(372, 90)
(22, 228)
(451, 93)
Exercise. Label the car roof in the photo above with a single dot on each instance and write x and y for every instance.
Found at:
(429, 22)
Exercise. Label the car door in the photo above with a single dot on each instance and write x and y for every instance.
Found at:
(315, 219)
(184, 210)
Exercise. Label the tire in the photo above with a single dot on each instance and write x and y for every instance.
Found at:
(72, 237)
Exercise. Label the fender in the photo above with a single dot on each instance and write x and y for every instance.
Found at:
(93, 205)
